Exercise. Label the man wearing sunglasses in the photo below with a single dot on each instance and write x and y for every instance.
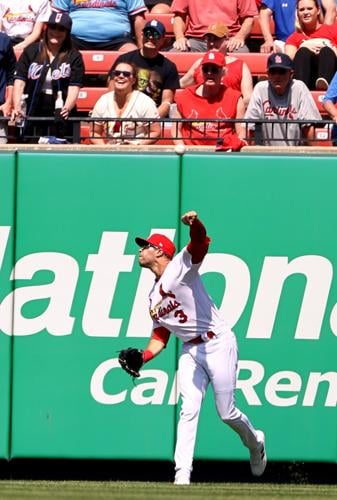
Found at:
(157, 76)
(201, 104)
(282, 98)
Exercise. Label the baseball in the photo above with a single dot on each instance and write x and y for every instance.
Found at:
(180, 149)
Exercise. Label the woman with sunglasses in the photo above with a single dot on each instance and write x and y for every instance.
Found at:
(125, 102)
(50, 73)
(313, 47)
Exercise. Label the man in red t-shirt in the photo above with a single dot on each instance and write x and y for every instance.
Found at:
(192, 17)
(210, 100)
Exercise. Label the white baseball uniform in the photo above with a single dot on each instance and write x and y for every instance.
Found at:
(180, 304)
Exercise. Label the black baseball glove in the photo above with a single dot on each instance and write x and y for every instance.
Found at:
(131, 360)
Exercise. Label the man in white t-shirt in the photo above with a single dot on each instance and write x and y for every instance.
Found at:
(179, 303)
(280, 99)
(23, 20)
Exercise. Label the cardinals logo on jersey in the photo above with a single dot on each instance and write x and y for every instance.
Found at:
(166, 294)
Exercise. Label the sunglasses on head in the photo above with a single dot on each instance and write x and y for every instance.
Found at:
(118, 72)
(210, 68)
(278, 71)
(57, 27)
(152, 34)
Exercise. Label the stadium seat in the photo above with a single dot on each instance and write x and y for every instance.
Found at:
(318, 97)
(99, 62)
(88, 96)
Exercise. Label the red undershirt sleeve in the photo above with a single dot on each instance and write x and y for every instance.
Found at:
(162, 334)
(198, 246)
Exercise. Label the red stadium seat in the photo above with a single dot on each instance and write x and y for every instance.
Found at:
(318, 97)
(88, 97)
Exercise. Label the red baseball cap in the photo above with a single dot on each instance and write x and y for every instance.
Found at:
(214, 57)
(160, 241)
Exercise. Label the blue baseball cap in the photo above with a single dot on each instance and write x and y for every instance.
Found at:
(279, 60)
(155, 26)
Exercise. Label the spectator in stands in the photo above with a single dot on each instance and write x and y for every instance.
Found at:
(104, 24)
(313, 47)
(329, 104)
(7, 67)
(157, 76)
(43, 71)
(207, 101)
(125, 102)
(23, 20)
(159, 6)
(191, 20)
(284, 17)
(282, 98)
(236, 74)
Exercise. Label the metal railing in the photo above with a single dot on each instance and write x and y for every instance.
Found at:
(279, 131)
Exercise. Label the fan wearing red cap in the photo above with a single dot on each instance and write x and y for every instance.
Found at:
(179, 303)
(237, 74)
(208, 101)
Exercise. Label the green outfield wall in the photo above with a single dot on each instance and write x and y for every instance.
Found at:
(72, 295)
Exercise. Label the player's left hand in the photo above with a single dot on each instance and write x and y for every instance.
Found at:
(131, 360)
(189, 217)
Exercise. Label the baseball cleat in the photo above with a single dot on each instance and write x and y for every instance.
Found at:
(258, 456)
(182, 478)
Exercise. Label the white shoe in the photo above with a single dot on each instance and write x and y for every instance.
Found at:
(182, 478)
(258, 456)
(321, 84)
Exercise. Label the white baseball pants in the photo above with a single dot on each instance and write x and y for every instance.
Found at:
(212, 362)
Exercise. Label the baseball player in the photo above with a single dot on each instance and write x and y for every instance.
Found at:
(180, 304)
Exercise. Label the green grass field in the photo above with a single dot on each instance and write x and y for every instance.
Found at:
(72, 490)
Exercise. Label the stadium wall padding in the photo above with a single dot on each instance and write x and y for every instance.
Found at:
(80, 297)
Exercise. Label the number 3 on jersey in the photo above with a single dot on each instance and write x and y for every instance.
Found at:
(179, 313)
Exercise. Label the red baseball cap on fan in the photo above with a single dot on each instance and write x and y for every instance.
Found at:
(159, 241)
(214, 57)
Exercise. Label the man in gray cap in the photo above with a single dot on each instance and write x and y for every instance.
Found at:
(282, 98)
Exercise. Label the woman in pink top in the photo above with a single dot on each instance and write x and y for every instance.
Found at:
(313, 47)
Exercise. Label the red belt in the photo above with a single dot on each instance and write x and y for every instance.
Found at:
(198, 340)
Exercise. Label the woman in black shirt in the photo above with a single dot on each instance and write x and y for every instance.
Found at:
(50, 75)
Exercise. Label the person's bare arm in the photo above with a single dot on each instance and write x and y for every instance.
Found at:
(6, 107)
(331, 109)
(138, 24)
(265, 18)
(330, 11)
(290, 50)
(246, 84)
(154, 133)
(188, 79)
(73, 91)
(179, 27)
(97, 131)
(240, 113)
(18, 89)
(166, 101)
(176, 129)
(238, 40)
(33, 37)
